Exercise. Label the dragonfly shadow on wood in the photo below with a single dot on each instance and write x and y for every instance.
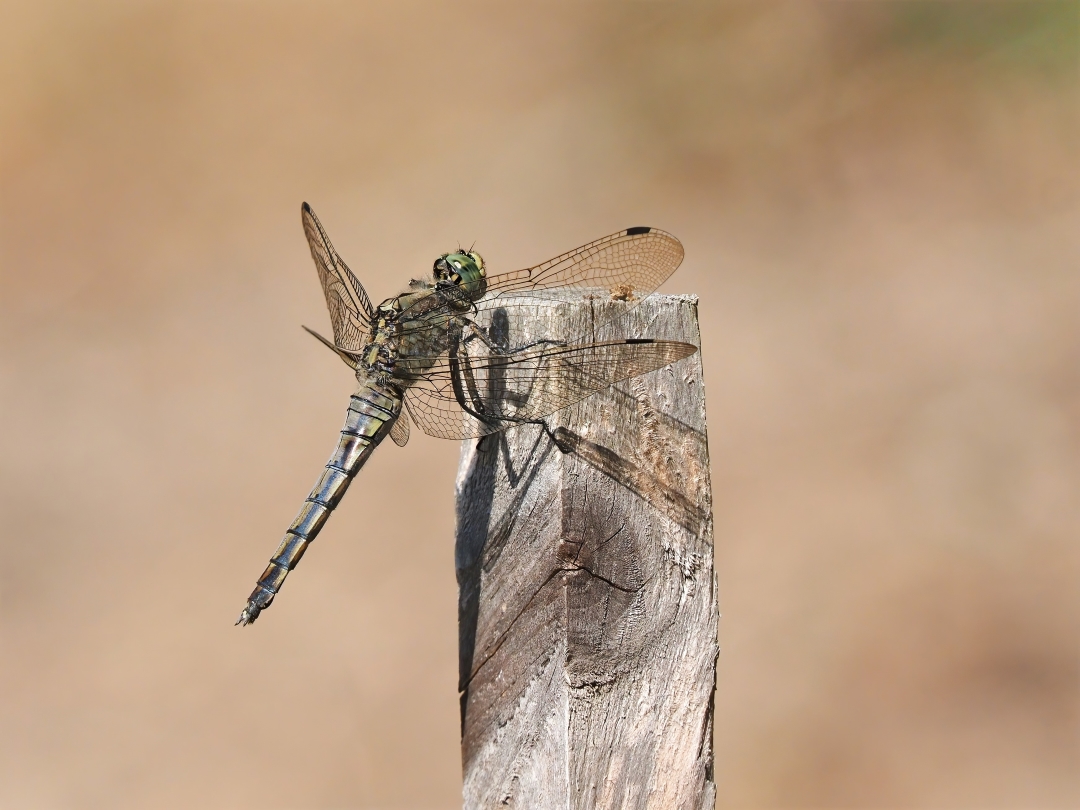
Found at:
(663, 497)
(481, 500)
(509, 502)
(648, 459)
(487, 518)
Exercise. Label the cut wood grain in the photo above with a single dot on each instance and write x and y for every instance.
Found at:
(587, 602)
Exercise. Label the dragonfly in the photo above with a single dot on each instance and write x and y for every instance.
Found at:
(431, 356)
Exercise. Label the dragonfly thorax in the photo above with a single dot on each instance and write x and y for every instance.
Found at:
(378, 354)
(393, 317)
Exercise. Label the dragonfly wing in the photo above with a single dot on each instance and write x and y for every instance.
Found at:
(629, 264)
(350, 308)
(400, 430)
(350, 360)
(625, 266)
(463, 395)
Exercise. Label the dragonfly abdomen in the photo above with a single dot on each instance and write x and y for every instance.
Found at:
(372, 411)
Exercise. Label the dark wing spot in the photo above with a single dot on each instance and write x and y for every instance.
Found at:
(641, 340)
(637, 230)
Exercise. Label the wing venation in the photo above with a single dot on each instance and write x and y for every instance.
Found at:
(632, 262)
(399, 431)
(459, 396)
(350, 308)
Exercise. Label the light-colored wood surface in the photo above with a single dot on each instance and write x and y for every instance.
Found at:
(588, 608)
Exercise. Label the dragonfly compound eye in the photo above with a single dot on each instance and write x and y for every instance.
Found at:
(465, 270)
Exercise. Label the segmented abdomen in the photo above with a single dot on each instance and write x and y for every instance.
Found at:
(372, 412)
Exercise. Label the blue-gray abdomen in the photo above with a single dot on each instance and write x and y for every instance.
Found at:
(372, 412)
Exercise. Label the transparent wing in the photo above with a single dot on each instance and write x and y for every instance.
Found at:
(350, 308)
(461, 396)
(399, 431)
(629, 264)
(626, 266)
(350, 360)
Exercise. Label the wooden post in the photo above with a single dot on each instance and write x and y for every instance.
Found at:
(587, 604)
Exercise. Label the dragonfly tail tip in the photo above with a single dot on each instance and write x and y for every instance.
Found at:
(247, 616)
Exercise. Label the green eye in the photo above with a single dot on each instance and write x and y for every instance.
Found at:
(464, 269)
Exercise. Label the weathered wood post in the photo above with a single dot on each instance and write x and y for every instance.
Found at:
(587, 603)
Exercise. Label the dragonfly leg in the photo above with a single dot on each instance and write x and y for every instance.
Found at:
(551, 434)
(499, 349)
(466, 391)
(564, 449)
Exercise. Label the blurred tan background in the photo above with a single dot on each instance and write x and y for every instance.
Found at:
(879, 203)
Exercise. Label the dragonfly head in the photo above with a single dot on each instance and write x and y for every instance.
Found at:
(465, 269)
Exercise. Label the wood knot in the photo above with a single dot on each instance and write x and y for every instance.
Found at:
(568, 551)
